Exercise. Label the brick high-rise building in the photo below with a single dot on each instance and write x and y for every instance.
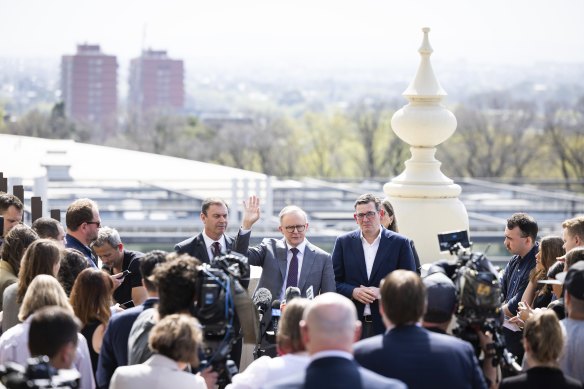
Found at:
(89, 87)
(156, 83)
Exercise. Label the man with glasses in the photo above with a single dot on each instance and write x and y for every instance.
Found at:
(521, 241)
(363, 257)
(288, 262)
(83, 225)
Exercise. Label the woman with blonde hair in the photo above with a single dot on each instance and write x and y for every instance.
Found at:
(43, 291)
(293, 356)
(543, 341)
(174, 341)
(91, 298)
(43, 256)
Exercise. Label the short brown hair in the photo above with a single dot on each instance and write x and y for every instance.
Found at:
(15, 244)
(289, 326)
(177, 337)
(403, 297)
(91, 296)
(79, 211)
(368, 198)
(73, 262)
(543, 333)
(212, 201)
(526, 223)
(573, 256)
(50, 329)
(575, 226)
(8, 200)
(176, 281)
(46, 227)
(39, 258)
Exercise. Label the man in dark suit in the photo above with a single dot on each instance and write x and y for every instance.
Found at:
(212, 241)
(290, 261)
(329, 328)
(409, 352)
(362, 258)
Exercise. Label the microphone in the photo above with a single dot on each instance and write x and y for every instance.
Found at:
(291, 293)
(276, 313)
(262, 299)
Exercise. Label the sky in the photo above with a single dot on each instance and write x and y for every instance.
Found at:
(374, 33)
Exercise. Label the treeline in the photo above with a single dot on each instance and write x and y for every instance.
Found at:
(496, 136)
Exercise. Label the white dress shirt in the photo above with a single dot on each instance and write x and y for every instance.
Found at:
(370, 251)
(300, 255)
(209, 245)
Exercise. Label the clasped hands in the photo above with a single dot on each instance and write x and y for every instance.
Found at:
(366, 294)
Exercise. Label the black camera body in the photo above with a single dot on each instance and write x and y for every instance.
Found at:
(222, 304)
(479, 295)
(38, 373)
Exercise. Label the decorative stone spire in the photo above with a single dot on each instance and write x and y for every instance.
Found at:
(424, 199)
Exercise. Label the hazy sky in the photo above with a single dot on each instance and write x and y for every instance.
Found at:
(321, 32)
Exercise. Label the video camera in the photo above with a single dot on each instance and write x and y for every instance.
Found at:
(479, 296)
(222, 304)
(38, 374)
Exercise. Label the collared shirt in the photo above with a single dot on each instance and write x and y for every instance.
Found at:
(74, 243)
(516, 277)
(300, 255)
(370, 251)
(332, 353)
(209, 245)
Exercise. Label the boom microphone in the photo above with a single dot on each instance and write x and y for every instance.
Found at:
(291, 293)
(262, 299)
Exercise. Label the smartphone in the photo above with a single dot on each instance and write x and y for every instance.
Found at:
(122, 274)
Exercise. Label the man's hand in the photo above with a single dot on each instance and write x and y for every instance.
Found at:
(251, 212)
(117, 281)
(365, 294)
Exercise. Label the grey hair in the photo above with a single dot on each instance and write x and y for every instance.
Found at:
(107, 235)
(292, 209)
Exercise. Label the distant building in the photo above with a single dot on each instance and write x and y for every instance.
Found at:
(156, 83)
(89, 87)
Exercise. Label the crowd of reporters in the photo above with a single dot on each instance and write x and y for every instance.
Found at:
(132, 323)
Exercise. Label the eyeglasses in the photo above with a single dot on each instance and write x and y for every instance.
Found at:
(299, 228)
(98, 224)
(367, 215)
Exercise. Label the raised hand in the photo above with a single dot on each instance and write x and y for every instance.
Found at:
(251, 212)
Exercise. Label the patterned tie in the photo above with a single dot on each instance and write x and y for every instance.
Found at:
(292, 279)
(216, 249)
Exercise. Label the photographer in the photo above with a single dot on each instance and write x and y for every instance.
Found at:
(439, 312)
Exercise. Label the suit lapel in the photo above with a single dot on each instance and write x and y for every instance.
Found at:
(306, 269)
(381, 254)
(359, 254)
(281, 253)
(200, 249)
(228, 243)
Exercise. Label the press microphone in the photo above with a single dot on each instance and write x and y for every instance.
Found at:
(276, 313)
(262, 299)
(291, 293)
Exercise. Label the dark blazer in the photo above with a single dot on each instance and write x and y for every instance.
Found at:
(271, 255)
(394, 252)
(338, 373)
(114, 348)
(541, 378)
(421, 359)
(195, 247)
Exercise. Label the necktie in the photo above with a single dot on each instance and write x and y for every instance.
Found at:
(216, 249)
(292, 279)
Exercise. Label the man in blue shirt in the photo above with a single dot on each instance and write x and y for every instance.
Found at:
(83, 223)
(520, 240)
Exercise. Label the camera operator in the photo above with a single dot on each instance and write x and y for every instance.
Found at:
(405, 345)
(176, 283)
(441, 297)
